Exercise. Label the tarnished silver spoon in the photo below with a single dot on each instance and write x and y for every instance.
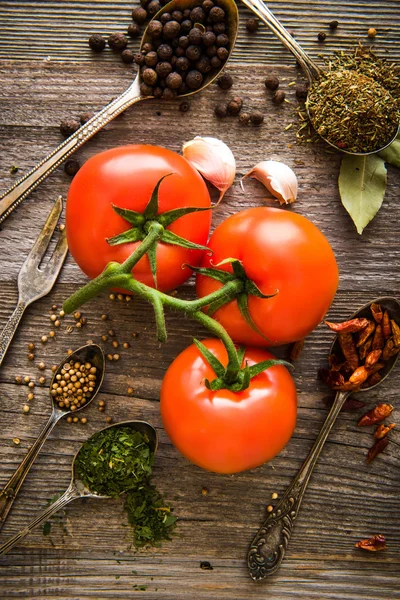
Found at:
(76, 488)
(312, 71)
(95, 356)
(20, 190)
(269, 546)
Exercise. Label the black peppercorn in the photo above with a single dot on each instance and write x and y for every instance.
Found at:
(321, 36)
(209, 38)
(219, 28)
(222, 40)
(271, 83)
(155, 28)
(117, 41)
(177, 16)
(146, 90)
(193, 52)
(194, 79)
(171, 30)
(139, 15)
(149, 76)
(222, 53)
(163, 69)
(207, 5)
(203, 65)
(195, 36)
(85, 117)
(216, 63)
(165, 18)
(256, 117)
(153, 7)
(333, 25)
(182, 63)
(133, 30)
(157, 92)
(221, 110)
(164, 52)
(71, 166)
(97, 42)
(127, 56)
(183, 41)
(225, 82)
(216, 14)
(147, 47)
(302, 91)
(211, 51)
(184, 106)
(139, 59)
(235, 106)
(278, 97)
(186, 13)
(252, 25)
(68, 127)
(244, 118)
(197, 15)
(169, 94)
(186, 26)
(151, 59)
(174, 81)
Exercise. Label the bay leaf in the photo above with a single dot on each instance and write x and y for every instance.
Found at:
(362, 186)
(391, 154)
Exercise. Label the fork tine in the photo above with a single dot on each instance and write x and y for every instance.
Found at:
(44, 237)
(53, 267)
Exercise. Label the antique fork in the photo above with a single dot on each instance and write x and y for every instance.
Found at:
(35, 282)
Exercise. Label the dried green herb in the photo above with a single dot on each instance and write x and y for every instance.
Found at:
(362, 185)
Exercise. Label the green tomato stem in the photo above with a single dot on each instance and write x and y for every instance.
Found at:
(155, 232)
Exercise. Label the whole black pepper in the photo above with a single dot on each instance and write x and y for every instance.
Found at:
(146, 90)
(235, 106)
(209, 38)
(302, 91)
(127, 56)
(219, 28)
(195, 36)
(139, 59)
(133, 30)
(163, 69)
(222, 53)
(222, 40)
(207, 5)
(252, 25)
(321, 36)
(68, 127)
(194, 79)
(184, 106)
(183, 41)
(97, 42)
(71, 166)
(85, 117)
(117, 41)
(165, 18)
(174, 81)
(221, 110)
(153, 7)
(197, 15)
(216, 14)
(151, 59)
(244, 118)
(333, 25)
(139, 15)
(271, 83)
(225, 82)
(149, 76)
(278, 97)
(147, 47)
(164, 52)
(155, 28)
(182, 63)
(169, 94)
(177, 15)
(186, 26)
(203, 65)
(193, 52)
(171, 30)
(216, 63)
(256, 117)
(157, 92)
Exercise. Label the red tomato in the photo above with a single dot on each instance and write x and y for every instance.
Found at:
(224, 431)
(126, 177)
(280, 250)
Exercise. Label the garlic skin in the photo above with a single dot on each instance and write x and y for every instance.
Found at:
(278, 178)
(213, 159)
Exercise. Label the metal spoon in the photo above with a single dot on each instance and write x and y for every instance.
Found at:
(76, 488)
(10, 199)
(312, 71)
(90, 353)
(268, 548)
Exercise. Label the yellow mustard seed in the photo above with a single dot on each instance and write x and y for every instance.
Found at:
(26, 408)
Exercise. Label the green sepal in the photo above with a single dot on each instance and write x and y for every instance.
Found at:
(252, 289)
(222, 276)
(132, 235)
(243, 381)
(243, 304)
(170, 216)
(151, 209)
(152, 254)
(132, 216)
(240, 353)
(176, 240)
(212, 360)
(266, 364)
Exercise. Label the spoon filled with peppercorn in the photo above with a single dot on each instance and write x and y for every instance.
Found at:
(183, 50)
(75, 383)
(349, 110)
(113, 461)
(362, 355)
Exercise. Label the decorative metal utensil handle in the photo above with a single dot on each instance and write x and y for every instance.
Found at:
(67, 497)
(20, 190)
(9, 330)
(268, 548)
(11, 489)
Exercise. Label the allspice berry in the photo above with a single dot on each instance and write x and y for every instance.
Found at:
(244, 118)
(127, 56)
(271, 83)
(252, 25)
(302, 91)
(149, 76)
(321, 36)
(235, 106)
(139, 15)
(333, 25)
(278, 97)
(71, 167)
(97, 43)
(68, 127)
(133, 30)
(184, 106)
(117, 41)
(174, 81)
(155, 28)
(256, 117)
(194, 79)
(216, 15)
(221, 110)
(225, 82)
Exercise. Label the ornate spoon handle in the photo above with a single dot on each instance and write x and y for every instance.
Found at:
(268, 548)
(20, 190)
(9, 330)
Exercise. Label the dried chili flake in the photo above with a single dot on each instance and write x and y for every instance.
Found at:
(376, 449)
(376, 415)
(365, 348)
(382, 430)
(372, 380)
(360, 375)
(366, 333)
(372, 358)
(351, 326)
(386, 328)
(379, 341)
(296, 350)
(373, 544)
(389, 350)
(349, 349)
(377, 312)
(396, 333)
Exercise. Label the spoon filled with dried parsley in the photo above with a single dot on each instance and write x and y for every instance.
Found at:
(116, 460)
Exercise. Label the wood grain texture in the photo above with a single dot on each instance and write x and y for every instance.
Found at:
(87, 554)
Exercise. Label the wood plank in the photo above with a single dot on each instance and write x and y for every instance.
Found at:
(346, 499)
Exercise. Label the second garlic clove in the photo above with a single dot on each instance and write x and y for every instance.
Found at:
(278, 178)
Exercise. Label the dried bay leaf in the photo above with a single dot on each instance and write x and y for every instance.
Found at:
(362, 186)
(391, 154)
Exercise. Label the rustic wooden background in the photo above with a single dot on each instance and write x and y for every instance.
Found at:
(47, 73)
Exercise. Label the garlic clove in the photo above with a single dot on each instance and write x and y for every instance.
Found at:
(213, 159)
(278, 178)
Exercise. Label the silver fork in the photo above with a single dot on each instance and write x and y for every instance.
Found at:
(34, 282)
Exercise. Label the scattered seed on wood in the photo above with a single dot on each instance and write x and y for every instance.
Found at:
(97, 43)
(116, 357)
(16, 441)
(27, 379)
(130, 391)
(18, 379)
(31, 347)
(83, 420)
(68, 127)
(115, 344)
(274, 496)
(71, 167)
(42, 380)
(109, 420)
(252, 25)
(333, 25)
(31, 356)
(278, 97)
(43, 339)
(112, 296)
(31, 396)
(26, 408)
(321, 36)
(41, 366)
(111, 332)
(206, 566)
(371, 32)
(270, 508)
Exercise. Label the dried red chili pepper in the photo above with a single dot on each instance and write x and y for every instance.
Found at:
(366, 333)
(349, 349)
(331, 378)
(382, 430)
(373, 544)
(348, 326)
(389, 350)
(386, 328)
(396, 333)
(376, 449)
(379, 341)
(350, 404)
(376, 367)
(376, 415)
(348, 387)
(360, 375)
(372, 358)
(377, 312)
(365, 348)
(296, 350)
(372, 380)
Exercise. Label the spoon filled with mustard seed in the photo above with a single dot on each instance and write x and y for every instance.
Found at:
(75, 383)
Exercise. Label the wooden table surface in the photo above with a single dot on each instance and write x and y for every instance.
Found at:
(46, 74)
